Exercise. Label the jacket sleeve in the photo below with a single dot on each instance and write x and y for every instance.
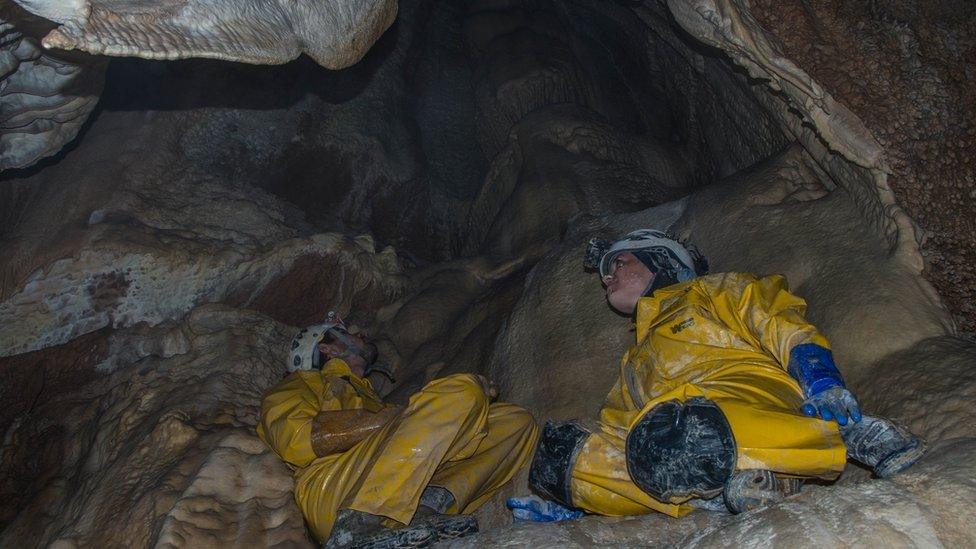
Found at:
(288, 411)
(763, 311)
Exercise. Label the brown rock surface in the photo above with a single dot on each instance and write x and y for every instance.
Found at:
(907, 69)
(30, 380)
(162, 451)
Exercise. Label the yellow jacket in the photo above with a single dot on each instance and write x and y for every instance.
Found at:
(287, 413)
(708, 327)
(727, 337)
(449, 435)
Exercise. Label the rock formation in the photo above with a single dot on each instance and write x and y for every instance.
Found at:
(336, 35)
(46, 96)
(441, 192)
(49, 94)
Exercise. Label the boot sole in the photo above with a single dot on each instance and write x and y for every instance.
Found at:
(897, 463)
(452, 527)
(402, 538)
(761, 488)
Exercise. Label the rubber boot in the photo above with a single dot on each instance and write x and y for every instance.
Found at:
(880, 444)
(355, 529)
(431, 513)
(444, 527)
(755, 488)
(715, 504)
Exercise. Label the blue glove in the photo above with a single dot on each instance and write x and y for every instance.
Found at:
(812, 366)
(834, 403)
(536, 509)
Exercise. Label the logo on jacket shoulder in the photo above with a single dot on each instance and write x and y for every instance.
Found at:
(682, 325)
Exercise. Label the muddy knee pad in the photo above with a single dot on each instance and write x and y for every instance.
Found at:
(551, 472)
(681, 449)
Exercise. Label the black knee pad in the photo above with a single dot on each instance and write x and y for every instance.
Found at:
(681, 449)
(552, 465)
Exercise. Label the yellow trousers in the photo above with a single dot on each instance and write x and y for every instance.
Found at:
(449, 435)
(762, 407)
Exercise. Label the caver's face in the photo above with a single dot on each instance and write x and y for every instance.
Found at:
(626, 282)
(355, 349)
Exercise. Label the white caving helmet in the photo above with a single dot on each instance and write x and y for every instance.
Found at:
(305, 345)
(669, 259)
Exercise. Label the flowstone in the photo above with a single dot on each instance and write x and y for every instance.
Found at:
(162, 451)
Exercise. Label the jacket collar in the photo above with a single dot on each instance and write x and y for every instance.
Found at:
(338, 367)
(649, 307)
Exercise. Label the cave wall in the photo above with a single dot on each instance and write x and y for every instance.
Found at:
(441, 191)
(906, 69)
(47, 96)
(372, 148)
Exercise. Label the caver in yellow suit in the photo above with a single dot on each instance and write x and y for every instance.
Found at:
(702, 394)
(449, 435)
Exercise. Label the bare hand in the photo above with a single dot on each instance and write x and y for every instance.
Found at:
(487, 386)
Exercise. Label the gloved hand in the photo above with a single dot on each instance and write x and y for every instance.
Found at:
(536, 509)
(834, 403)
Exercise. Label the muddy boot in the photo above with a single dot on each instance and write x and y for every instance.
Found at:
(715, 504)
(886, 448)
(434, 503)
(755, 488)
(355, 529)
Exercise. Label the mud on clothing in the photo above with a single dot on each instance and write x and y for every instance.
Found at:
(449, 435)
(704, 392)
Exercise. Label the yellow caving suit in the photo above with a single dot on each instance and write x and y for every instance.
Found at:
(727, 338)
(449, 435)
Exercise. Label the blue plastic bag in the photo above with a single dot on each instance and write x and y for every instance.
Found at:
(536, 509)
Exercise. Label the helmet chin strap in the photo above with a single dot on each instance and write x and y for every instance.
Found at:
(650, 286)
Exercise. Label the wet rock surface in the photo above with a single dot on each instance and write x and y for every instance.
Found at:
(441, 191)
(162, 451)
(47, 96)
(906, 70)
(899, 512)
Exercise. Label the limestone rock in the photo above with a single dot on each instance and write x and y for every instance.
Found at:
(46, 97)
(129, 270)
(162, 451)
(336, 35)
(280, 190)
(140, 237)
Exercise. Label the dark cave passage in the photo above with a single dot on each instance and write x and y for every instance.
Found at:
(598, 110)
